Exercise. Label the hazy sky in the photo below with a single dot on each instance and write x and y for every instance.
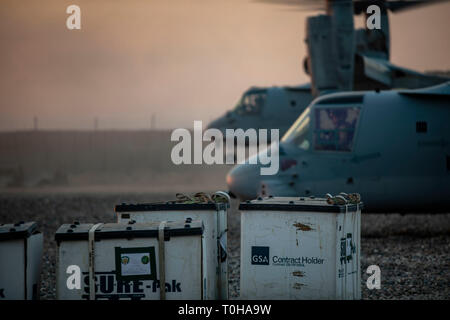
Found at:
(181, 60)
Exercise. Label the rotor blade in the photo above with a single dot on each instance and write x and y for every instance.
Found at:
(396, 6)
(360, 6)
(303, 5)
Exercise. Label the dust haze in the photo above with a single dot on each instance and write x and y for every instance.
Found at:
(100, 161)
(176, 60)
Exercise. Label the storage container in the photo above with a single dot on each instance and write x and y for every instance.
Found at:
(20, 261)
(300, 248)
(214, 217)
(129, 261)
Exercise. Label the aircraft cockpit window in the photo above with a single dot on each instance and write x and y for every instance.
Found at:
(335, 128)
(251, 103)
(298, 133)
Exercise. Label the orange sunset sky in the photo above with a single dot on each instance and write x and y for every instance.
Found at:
(182, 60)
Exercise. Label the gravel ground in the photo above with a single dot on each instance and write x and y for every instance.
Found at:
(413, 251)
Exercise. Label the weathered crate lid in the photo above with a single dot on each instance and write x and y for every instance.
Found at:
(17, 230)
(309, 204)
(169, 206)
(78, 231)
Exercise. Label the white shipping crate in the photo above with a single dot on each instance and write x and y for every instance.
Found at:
(300, 248)
(127, 261)
(20, 261)
(214, 217)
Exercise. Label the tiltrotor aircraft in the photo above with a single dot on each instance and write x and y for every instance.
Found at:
(392, 147)
(339, 58)
(265, 108)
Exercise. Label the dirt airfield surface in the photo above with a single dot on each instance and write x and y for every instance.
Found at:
(412, 251)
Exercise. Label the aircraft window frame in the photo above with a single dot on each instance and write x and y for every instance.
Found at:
(354, 129)
(291, 135)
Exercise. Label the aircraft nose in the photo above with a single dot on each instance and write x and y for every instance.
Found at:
(224, 122)
(219, 123)
(244, 180)
(215, 124)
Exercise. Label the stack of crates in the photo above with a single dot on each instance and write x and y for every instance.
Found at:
(193, 253)
(300, 248)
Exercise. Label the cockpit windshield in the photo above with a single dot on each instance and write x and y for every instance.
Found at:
(251, 103)
(334, 128)
(298, 133)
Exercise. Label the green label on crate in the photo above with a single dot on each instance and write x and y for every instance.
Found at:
(135, 263)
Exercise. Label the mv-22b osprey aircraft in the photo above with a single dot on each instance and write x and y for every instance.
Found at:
(392, 147)
(359, 61)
